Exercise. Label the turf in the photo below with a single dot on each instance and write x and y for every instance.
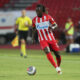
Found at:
(13, 66)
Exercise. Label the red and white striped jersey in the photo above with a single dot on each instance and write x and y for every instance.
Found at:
(42, 24)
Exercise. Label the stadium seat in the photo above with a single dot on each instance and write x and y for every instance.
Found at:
(61, 10)
(3, 2)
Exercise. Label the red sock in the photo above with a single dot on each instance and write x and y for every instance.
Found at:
(58, 60)
(51, 59)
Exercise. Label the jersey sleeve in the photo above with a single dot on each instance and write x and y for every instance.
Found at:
(51, 19)
(30, 21)
(33, 22)
(17, 21)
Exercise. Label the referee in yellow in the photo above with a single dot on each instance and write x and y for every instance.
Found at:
(22, 26)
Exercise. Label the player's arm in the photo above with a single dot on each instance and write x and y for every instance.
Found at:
(53, 24)
(33, 30)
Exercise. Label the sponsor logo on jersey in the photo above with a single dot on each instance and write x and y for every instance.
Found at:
(43, 25)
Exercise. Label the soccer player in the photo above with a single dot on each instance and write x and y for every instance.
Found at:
(69, 31)
(23, 23)
(44, 24)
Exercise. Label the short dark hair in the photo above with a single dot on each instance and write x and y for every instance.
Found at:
(42, 7)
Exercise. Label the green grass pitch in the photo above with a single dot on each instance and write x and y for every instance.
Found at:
(13, 66)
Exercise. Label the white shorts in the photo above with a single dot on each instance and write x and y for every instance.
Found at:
(69, 37)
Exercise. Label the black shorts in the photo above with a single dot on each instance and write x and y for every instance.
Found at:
(23, 35)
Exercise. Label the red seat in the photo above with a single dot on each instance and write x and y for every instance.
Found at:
(3, 2)
(61, 10)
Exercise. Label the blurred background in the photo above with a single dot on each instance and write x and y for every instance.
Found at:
(61, 10)
(66, 13)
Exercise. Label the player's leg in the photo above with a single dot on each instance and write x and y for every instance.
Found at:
(23, 47)
(22, 43)
(45, 47)
(55, 48)
(25, 35)
(49, 56)
(51, 59)
(69, 39)
(58, 57)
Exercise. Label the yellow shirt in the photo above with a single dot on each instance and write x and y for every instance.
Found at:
(71, 30)
(21, 21)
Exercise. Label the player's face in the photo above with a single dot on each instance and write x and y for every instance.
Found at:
(39, 12)
(69, 20)
(23, 13)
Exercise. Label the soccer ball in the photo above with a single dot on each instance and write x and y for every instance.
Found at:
(31, 70)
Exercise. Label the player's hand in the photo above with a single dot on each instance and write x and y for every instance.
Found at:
(52, 27)
(65, 31)
(49, 28)
(26, 23)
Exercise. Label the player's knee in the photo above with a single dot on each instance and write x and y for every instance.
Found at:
(47, 50)
(57, 53)
(22, 41)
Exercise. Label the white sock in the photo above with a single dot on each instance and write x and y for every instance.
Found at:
(58, 69)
